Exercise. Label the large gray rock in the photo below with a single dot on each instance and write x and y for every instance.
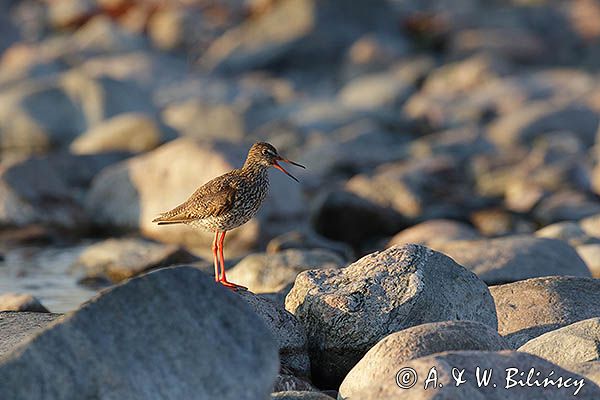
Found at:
(596, 179)
(417, 188)
(506, 368)
(354, 147)
(346, 311)
(208, 121)
(569, 345)
(530, 122)
(296, 33)
(392, 352)
(590, 370)
(286, 382)
(119, 259)
(515, 258)
(376, 91)
(49, 190)
(288, 332)
(496, 222)
(21, 302)
(126, 132)
(131, 194)
(567, 205)
(590, 253)
(530, 308)
(569, 231)
(40, 115)
(173, 332)
(591, 225)
(433, 231)
(306, 239)
(263, 273)
(458, 93)
(16, 327)
(177, 28)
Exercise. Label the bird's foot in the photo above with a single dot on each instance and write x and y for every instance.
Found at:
(232, 286)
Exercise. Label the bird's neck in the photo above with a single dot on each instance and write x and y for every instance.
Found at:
(252, 168)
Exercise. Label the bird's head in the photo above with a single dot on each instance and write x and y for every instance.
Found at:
(265, 154)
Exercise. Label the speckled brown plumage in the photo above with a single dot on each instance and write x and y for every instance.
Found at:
(228, 201)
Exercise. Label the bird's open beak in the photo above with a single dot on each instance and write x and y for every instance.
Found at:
(279, 167)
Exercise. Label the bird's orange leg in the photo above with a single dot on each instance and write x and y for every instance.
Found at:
(222, 277)
(215, 259)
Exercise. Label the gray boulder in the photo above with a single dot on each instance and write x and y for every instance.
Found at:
(396, 349)
(21, 302)
(354, 147)
(346, 311)
(526, 124)
(17, 327)
(377, 91)
(207, 121)
(263, 273)
(49, 190)
(569, 345)
(530, 308)
(173, 333)
(496, 222)
(306, 239)
(506, 367)
(40, 115)
(433, 231)
(288, 332)
(590, 253)
(567, 205)
(417, 188)
(296, 33)
(591, 225)
(590, 369)
(131, 132)
(119, 259)
(515, 258)
(569, 231)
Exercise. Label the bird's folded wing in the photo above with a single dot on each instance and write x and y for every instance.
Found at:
(199, 206)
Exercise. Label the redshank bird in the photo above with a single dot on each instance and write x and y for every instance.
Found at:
(228, 201)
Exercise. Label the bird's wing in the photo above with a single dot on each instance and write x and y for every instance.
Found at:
(210, 200)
